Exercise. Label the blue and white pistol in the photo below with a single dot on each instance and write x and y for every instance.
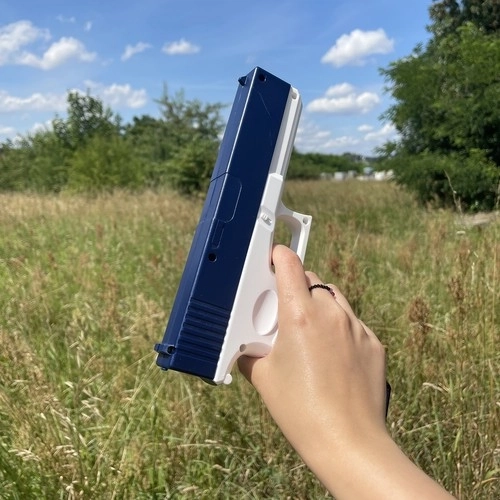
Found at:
(227, 303)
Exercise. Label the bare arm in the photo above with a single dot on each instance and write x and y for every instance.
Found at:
(324, 385)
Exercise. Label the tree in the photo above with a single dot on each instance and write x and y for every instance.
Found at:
(87, 117)
(103, 164)
(446, 97)
(12, 174)
(184, 118)
(89, 150)
(446, 109)
(190, 167)
(448, 15)
(35, 162)
(312, 165)
(181, 146)
(148, 139)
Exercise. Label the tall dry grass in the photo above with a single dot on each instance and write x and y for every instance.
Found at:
(86, 288)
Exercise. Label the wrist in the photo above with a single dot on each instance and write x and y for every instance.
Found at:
(368, 465)
(345, 459)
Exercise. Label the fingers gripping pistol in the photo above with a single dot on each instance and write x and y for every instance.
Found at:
(227, 304)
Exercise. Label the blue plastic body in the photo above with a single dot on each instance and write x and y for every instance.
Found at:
(202, 307)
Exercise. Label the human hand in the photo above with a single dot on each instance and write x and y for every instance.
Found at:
(326, 371)
(324, 384)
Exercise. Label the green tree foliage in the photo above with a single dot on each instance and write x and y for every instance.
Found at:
(180, 147)
(103, 164)
(193, 132)
(35, 163)
(87, 117)
(464, 181)
(312, 165)
(43, 161)
(183, 118)
(89, 150)
(448, 15)
(11, 168)
(190, 167)
(446, 107)
(148, 139)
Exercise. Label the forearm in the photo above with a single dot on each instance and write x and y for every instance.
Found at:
(369, 467)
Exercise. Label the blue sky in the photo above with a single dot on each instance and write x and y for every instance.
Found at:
(124, 53)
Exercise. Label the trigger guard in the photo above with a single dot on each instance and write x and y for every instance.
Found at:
(299, 225)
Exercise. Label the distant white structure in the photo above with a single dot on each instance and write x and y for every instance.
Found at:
(368, 175)
(384, 175)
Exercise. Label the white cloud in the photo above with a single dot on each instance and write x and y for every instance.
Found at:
(115, 95)
(365, 128)
(342, 143)
(17, 137)
(58, 53)
(16, 36)
(343, 99)
(387, 132)
(7, 131)
(355, 47)
(312, 138)
(87, 26)
(34, 102)
(340, 89)
(181, 47)
(132, 50)
(63, 19)
(120, 96)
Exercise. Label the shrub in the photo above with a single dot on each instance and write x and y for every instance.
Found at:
(103, 164)
(190, 167)
(466, 181)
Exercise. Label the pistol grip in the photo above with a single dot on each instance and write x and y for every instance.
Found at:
(253, 324)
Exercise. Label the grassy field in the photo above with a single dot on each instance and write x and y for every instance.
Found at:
(86, 289)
